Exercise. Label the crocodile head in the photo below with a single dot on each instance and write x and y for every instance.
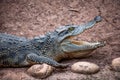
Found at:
(74, 48)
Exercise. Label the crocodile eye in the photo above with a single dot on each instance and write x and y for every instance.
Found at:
(71, 29)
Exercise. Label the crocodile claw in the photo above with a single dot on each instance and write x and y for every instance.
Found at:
(62, 66)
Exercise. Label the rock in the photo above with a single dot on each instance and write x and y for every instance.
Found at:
(85, 67)
(116, 64)
(40, 71)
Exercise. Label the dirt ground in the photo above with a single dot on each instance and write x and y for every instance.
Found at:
(30, 18)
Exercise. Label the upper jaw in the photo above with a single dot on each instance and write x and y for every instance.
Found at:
(78, 28)
(77, 31)
(75, 46)
(79, 42)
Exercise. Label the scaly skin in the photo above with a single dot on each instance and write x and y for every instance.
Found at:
(19, 52)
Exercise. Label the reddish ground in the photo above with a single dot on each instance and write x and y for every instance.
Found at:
(31, 18)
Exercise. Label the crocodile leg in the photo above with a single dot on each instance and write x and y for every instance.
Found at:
(33, 58)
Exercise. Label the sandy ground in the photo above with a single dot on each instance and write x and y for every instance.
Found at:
(30, 18)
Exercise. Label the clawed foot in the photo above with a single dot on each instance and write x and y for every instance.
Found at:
(62, 66)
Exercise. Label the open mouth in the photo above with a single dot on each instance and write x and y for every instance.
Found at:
(73, 44)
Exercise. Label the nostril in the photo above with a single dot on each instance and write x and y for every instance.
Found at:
(98, 18)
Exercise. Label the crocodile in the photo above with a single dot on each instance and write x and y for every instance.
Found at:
(50, 49)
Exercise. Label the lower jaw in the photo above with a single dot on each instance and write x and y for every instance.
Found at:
(78, 54)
